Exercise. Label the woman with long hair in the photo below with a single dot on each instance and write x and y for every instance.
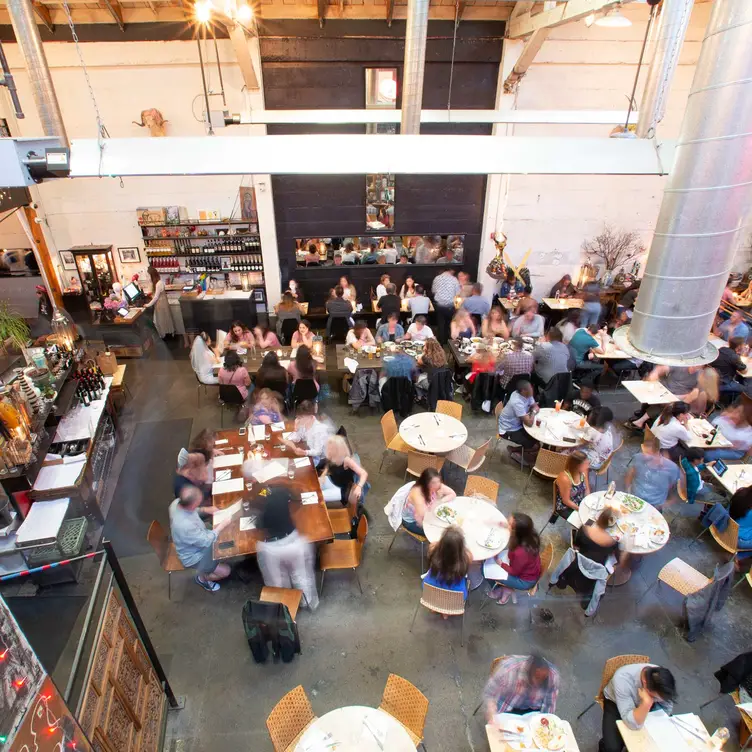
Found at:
(449, 560)
(495, 324)
(272, 374)
(303, 366)
(162, 316)
(408, 288)
(569, 325)
(427, 491)
(564, 287)
(265, 338)
(267, 408)
(304, 335)
(523, 553)
(203, 359)
(348, 289)
(670, 427)
(462, 326)
(287, 309)
(572, 484)
(342, 478)
(599, 437)
(239, 336)
(433, 355)
(234, 372)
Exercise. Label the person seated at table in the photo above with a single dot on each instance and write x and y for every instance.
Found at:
(495, 324)
(744, 297)
(432, 359)
(730, 366)
(389, 302)
(563, 287)
(582, 399)
(234, 372)
(634, 690)
(734, 326)
(419, 304)
(524, 300)
(348, 290)
(287, 309)
(515, 362)
(341, 477)
(733, 424)
(337, 259)
(651, 476)
(372, 256)
(529, 323)
(304, 335)
(192, 470)
(265, 338)
(400, 365)
(267, 408)
(572, 484)
(194, 543)
(462, 326)
(598, 436)
(312, 257)
(390, 253)
(511, 285)
(409, 288)
(670, 427)
(360, 336)
(203, 359)
(693, 463)
(311, 430)
(350, 256)
(427, 491)
(303, 366)
(391, 331)
(296, 293)
(476, 304)
(569, 325)
(520, 409)
(681, 381)
(466, 286)
(523, 552)
(419, 331)
(550, 357)
(403, 259)
(740, 510)
(272, 374)
(338, 308)
(521, 684)
(239, 336)
(586, 344)
(384, 280)
(449, 560)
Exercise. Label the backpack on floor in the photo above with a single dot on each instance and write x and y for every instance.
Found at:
(266, 623)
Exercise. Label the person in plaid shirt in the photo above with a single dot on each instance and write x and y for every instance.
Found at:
(521, 684)
(514, 363)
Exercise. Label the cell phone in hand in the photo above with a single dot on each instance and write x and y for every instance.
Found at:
(571, 441)
(241, 431)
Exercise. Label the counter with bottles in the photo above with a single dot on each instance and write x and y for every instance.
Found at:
(217, 309)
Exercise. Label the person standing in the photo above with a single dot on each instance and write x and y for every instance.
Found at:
(476, 304)
(445, 289)
(162, 316)
(591, 307)
(311, 431)
(651, 476)
(521, 684)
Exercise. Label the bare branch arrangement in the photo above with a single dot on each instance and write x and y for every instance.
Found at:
(613, 248)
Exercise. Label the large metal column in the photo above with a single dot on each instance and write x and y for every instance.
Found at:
(415, 62)
(27, 35)
(707, 201)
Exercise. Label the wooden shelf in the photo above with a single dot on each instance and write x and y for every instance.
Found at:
(200, 237)
(196, 222)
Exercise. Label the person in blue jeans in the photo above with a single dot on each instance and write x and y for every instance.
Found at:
(591, 306)
(740, 510)
(524, 568)
(427, 491)
(448, 562)
(697, 490)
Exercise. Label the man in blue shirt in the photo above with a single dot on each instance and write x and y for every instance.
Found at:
(520, 409)
(651, 476)
(734, 327)
(587, 342)
(476, 304)
(511, 283)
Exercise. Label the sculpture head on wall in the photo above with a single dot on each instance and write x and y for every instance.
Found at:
(153, 120)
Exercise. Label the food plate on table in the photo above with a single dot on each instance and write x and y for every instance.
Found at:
(492, 538)
(518, 735)
(597, 504)
(632, 503)
(445, 513)
(548, 733)
(657, 534)
(627, 527)
(700, 431)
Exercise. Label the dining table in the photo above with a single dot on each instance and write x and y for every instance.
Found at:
(241, 538)
(736, 476)
(433, 433)
(563, 304)
(355, 728)
(252, 359)
(512, 732)
(650, 392)
(661, 732)
(554, 428)
(700, 430)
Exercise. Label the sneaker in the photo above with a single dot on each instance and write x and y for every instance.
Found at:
(207, 584)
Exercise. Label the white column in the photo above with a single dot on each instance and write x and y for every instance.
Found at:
(497, 186)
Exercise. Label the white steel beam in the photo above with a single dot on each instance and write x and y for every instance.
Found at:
(357, 154)
(573, 10)
(243, 55)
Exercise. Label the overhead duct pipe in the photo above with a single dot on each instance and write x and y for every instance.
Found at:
(415, 63)
(706, 201)
(27, 35)
(672, 28)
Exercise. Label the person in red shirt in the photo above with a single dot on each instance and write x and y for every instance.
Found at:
(524, 568)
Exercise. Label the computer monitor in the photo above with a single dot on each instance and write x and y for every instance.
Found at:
(133, 293)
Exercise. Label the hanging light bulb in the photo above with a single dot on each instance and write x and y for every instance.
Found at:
(203, 11)
(63, 329)
(244, 13)
(613, 18)
(388, 89)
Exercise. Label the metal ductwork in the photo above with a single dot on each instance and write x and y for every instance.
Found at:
(415, 62)
(672, 28)
(27, 35)
(706, 202)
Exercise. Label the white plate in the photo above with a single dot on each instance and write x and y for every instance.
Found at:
(657, 535)
(451, 520)
(559, 742)
(492, 539)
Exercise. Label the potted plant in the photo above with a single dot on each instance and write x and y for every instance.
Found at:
(13, 328)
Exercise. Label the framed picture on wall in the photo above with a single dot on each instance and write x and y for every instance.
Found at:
(129, 255)
(69, 263)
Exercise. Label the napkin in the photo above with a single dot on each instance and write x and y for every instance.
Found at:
(226, 514)
(227, 486)
(270, 470)
(302, 461)
(309, 497)
(247, 523)
(287, 434)
(223, 475)
(278, 426)
(352, 364)
(228, 460)
(218, 442)
(641, 539)
(284, 363)
(493, 571)
(259, 433)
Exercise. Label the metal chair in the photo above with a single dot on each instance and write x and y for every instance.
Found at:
(229, 396)
(611, 666)
(289, 719)
(494, 665)
(344, 554)
(407, 704)
(606, 466)
(467, 458)
(441, 601)
(420, 538)
(290, 597)
(392, 440)
(200, 384)
(445, 407)
(288, 328)
(417, 462)
(548, 464)
(680, 577)
(477, 484)
(164, 548)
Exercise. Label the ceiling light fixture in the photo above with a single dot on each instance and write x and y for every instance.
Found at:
(590, 20)
(613, 18)
(244, 13)
(203, 11)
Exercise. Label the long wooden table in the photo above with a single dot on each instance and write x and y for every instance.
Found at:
(311, 520)
(252, 359)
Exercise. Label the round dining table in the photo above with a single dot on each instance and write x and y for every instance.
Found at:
(476, 518)
(551, 428)
(433, 433)
(355, 729)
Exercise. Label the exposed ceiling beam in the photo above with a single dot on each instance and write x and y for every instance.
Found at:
(321, 5)
(529, 51)
(152, 7)
(113, 6)
(389, 12)
(520, 7)
(43, 14)
(527, 22)
(243, 56)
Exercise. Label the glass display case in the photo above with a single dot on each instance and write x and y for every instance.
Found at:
(97, 272)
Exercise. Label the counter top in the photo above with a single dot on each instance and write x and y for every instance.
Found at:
(226, 295)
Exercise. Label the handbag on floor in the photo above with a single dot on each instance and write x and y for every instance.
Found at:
(266, 623)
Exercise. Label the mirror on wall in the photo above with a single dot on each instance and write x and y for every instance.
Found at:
(384, 249)
(379, 203)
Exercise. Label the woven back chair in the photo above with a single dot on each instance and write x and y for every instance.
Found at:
(729, 538)
(548, 464)
(407, 704)
(392, 440)
(441, 601)
(467, 458)
(494, 665)
(164, 548)
(477, 484)
(445, 407)
(611, 666)
(417, 462)
(288, 720)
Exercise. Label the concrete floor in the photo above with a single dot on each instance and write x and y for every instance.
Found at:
(354, 641)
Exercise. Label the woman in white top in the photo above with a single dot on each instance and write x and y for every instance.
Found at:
(381, 288)
(359, 336)
(203, 359)
(408, 289)
(599, 437)
(348, 290)
(569, 325)
(162, 316)
(670, 428)
(732, 423)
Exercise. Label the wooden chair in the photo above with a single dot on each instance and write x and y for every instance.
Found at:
(420, 538)
(446, 407)
(745, 723)
(344, 554)
(417, 462)
(606, 466)
(441, 601)
(290, 597)
(494, 664)
(406, 704)
(680, 577)
(611, 666)
(229, 397)
(289, 719)
(548, 464)
(392, 440)
(648, 435)
(341, 519)
(747, 577)
(477, 484)
(164, 548)
(467, 458)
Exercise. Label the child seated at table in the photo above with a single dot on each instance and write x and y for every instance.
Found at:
(448, 562)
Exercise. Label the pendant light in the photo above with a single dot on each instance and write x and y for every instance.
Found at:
(613, 18)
